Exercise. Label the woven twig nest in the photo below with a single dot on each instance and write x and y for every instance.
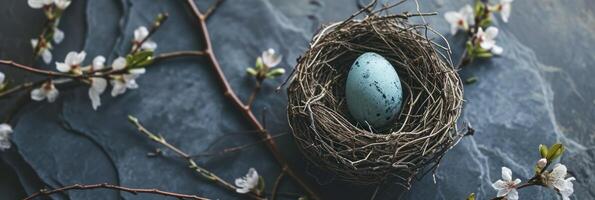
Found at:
(426, 126)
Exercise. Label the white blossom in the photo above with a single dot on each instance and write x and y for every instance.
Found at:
(46, 55)
(459, 20)
(270, 58)
(557, 179)
(58, 35)
(139, 35)
(504, 8)
(36, 4)
(5, 131)
(46, 91)
(542, 163)
(247, 183)
(487, 40)
(72, 61)
(125, 81)
(506, 186)
(62, 4)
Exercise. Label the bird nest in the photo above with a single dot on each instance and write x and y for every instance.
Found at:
(426, 126)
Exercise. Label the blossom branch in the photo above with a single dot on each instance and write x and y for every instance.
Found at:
(134, 191)
(245, 109)
(161, 17)
(200, 170)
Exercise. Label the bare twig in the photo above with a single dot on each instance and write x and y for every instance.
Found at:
(134, 191)
(201, 171)
(246, 111)
(276, 185)
(254, 92)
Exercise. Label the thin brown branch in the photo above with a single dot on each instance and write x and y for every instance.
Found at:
(254, 93)
(276, 185)
(37, 71)
(246, 111)
(134, 191)
(212, 8)
(192, 164)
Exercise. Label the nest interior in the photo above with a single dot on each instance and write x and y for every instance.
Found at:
(323, 128)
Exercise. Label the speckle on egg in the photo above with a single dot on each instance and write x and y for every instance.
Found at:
(373, 91)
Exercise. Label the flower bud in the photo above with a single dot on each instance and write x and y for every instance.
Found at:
(541, 163)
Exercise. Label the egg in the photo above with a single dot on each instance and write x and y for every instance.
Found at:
(373, 91)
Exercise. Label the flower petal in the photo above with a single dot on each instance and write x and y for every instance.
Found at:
(503, 192)
(118, 87)
(505, 12)
(137, 71)
(34, 43)
(491, 33)
(2, 77)
(58, 35)
(98, 62)
(149, 46)
(496, 50)
(270, 58)
(119, 63)
(140, 33)
(499, 185)
(506, 174)
(512, 195)
(36, 4)
(37, 94)
(52, 94)
(452, 17)
(63, 67)
(46, 55)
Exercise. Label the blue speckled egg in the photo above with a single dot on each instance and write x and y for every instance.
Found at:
(373, 92)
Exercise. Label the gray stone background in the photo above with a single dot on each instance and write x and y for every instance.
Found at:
(540, 90)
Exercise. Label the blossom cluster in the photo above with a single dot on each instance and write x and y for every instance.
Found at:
(122, 73)
(557, 178)
(53, 9)
(476, 22)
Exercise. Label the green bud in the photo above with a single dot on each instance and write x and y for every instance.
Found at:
(471, 196)
(275, 73)
(259, 65)
(251, 71)
(484, 55)
(543, 151)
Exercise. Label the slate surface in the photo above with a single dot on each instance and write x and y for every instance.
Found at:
(539, 91)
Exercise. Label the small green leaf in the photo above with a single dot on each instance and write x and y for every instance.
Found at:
(555, 151)
(251, 71)
(485, 22)
(139, 58)
(471, 196)
(275, 73)
(543, 151)
(478, 10)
